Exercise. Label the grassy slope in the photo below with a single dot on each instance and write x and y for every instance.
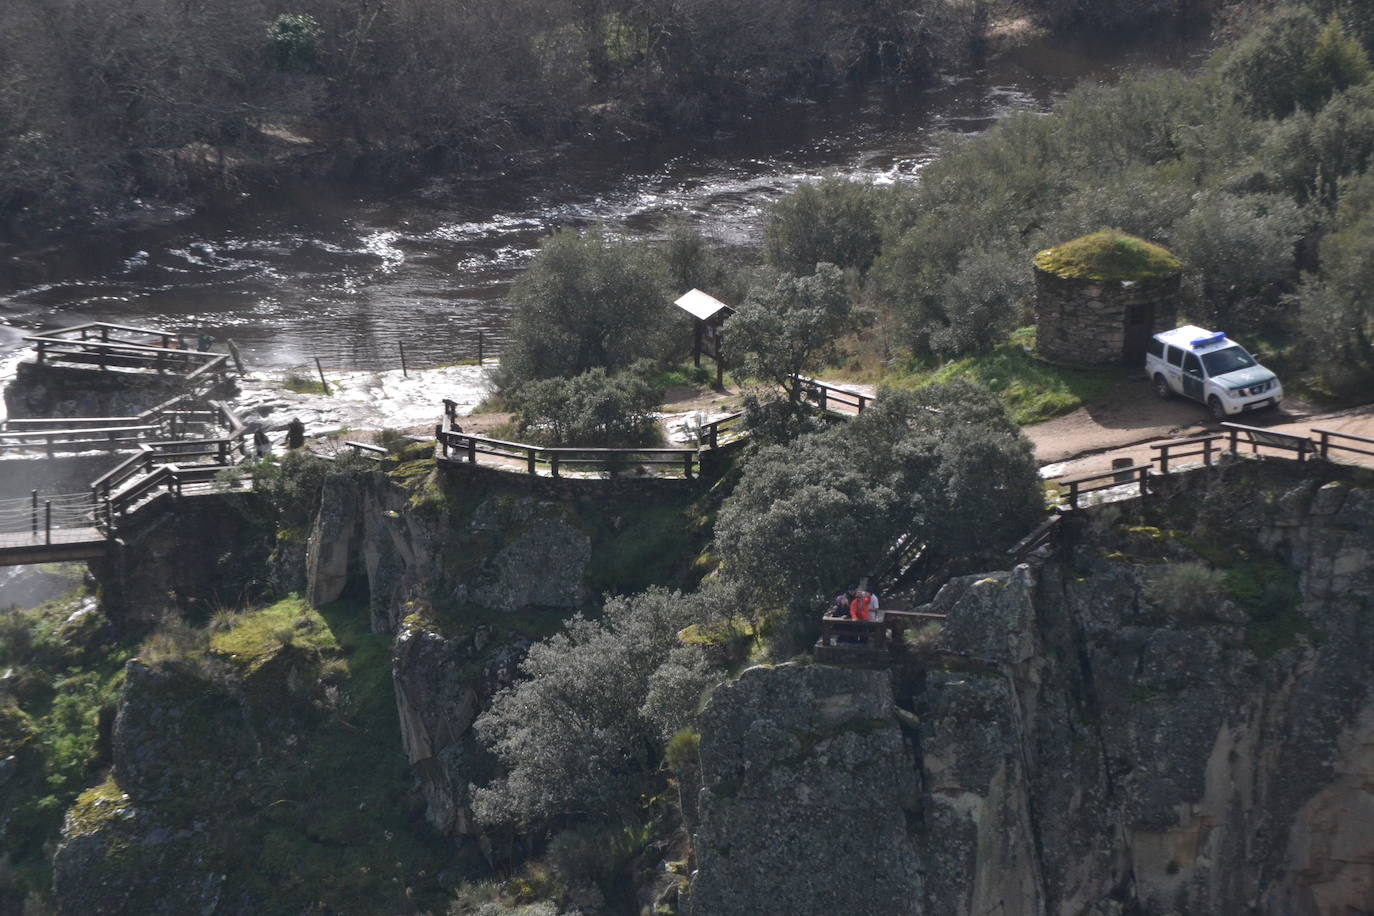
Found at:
(1032, 389)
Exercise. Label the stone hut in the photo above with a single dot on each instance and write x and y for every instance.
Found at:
(1099, 298)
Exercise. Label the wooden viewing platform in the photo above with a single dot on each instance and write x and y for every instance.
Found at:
(861, 642)
(106, 346)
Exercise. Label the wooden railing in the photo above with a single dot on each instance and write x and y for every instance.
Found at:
(828, 397)
(123, 346)
(712, 433)
(464, 446)
(1043, 534)
(841, 636)
(1211, 447)
(86, 439)
(168, 465)
(1257, 438)
(1137, 475)
(1331, 441)
(171, 419)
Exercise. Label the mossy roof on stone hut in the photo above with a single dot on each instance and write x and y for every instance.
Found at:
(1108, 255)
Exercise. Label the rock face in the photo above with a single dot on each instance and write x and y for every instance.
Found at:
(1084, 744)
(807, 783)
(181, 743)
(509, 553)
(442, 685)
(199, 549)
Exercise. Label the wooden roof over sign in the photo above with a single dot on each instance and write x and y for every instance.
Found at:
(703, 306)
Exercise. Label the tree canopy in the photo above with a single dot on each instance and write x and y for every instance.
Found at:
(586, 302)
(943, 463)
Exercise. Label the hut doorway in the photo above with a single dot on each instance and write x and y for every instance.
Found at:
(1140, 327)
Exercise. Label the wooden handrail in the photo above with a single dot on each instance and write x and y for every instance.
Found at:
(826, 391)
(1325, 446)
(131, 349)
(1140, 473)
(98, 325)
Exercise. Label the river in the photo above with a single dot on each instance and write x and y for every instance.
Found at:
(345, 279)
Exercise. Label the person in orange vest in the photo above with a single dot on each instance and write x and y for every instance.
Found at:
(859, 607)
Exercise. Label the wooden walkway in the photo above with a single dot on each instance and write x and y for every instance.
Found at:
(60, 545)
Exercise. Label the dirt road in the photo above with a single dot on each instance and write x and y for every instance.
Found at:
(1129, 417)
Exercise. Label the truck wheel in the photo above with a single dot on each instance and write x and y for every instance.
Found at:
(1162, 389)
(1218, 412)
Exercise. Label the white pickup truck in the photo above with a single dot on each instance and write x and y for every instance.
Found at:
(1210, 368)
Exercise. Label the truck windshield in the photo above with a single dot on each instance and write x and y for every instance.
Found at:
(1227, 360)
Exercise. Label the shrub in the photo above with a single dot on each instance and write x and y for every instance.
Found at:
(790, 328)
(1306, 156)
(591, 410)
(1338, 311)
(586, 302)
(1293, 61)
(293, 43)
(572, 737)
(833, 221)
(942, 463)
(1238, 249)
(1188, 591)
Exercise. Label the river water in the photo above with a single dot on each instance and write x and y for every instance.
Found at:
(345, 279)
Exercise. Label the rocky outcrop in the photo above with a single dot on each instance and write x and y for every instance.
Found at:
(141, 842)
(205, 549)
(442, 685)
(1082, 743)
(807, 783)
(504, 552)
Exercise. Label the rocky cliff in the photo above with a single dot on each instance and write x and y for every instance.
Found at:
(1172, 716)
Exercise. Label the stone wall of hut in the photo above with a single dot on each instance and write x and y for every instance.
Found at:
(1084, 321)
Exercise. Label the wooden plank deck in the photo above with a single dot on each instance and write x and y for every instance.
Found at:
(66, 544)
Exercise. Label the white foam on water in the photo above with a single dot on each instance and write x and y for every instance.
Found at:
(362, 400)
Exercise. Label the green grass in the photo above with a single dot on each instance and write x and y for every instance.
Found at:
(683, 375)
(64, 671)
(255, 635)
(301, 384)
(1031, 389)
(1108, 255)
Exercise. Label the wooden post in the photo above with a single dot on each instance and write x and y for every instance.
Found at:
(1235, 448)
(1073, 494)
(529, 460)
(439, 439)
(35, 513)
(322, 379)
(1144, 479)
(238, 359)
(687, 465)
(1164, 459)
(1207, 450)
(47, 522)
(1325, 442)
(401, 344)
(715, 436)
(553, 463)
